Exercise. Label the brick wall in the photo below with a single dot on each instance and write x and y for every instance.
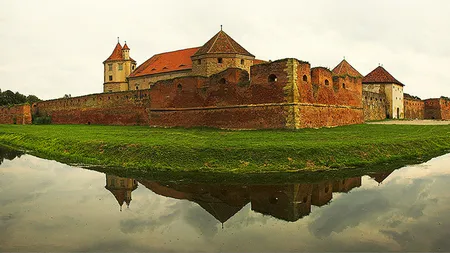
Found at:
(432, 109)
(17, 114)
(279, 94)
(414, 107)
(374, 105)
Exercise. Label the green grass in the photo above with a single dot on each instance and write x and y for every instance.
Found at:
(136, 150)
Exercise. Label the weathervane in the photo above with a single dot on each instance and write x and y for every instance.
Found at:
(221, 27)
(118, 41)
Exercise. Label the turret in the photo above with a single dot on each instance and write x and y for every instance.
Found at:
(117, 68)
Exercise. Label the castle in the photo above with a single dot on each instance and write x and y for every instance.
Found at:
(221, 84)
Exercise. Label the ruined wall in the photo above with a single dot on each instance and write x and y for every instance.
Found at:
(374, 105)
(445, 108)
(120, 108)
(16, 114)
(414, 107)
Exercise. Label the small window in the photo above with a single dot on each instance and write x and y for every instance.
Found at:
(219, 60)
(137, 86)
(242, 61)
(222, 81)
(199, 62)
(272, 78)
(110, 78)
(120, 66)
(343, 85)
(132, 67)
(305, 78)
(327, 82)
(179, 87)
(110, 67)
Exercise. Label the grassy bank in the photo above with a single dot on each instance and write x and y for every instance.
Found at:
(135, 150)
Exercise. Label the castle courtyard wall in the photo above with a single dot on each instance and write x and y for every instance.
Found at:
(414, 108)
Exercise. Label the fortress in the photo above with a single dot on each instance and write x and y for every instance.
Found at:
(221, 84)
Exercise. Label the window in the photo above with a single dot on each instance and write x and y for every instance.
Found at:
(179, 87)
(110, 67)
(242, 62)
(272, 78)
(305, 78)
(110, 78)
(219, 60)
(132, 67)
(343, 85)
(137, 86)
(120, 66)
(327, 82)
(199, 62)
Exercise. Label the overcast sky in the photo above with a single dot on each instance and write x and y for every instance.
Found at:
(51, 48)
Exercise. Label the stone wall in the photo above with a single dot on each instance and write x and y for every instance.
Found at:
(414, 107)
(16, 114)
(374, 105)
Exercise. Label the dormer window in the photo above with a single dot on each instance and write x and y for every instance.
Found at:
(219, 60)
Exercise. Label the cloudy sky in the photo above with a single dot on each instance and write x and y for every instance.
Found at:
(50, 47)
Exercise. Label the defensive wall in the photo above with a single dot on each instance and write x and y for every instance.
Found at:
(375, 106)
(281, 94)
(414, 107)
(17, 114)
(437, 108)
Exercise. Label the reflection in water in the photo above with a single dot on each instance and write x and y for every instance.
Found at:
(8, 154)
(286, 202)
(49, 206)
(121, 188)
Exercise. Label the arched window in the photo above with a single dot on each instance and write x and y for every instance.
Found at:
(222, 81)
(137, 86)
(272, 78)
(327, 82)
(179, 87)
(242, 61)
(305, 78)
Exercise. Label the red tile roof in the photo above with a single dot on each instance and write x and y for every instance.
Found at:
(125, 47)
(223, 44)
(380, 75)
(166, 62)
(257, 61)
(344, 68)
(117, 53)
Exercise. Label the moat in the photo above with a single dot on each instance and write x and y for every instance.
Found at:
(50, 206)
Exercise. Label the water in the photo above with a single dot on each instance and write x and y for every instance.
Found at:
(49, 206)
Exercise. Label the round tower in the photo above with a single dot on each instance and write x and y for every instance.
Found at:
(117, 68)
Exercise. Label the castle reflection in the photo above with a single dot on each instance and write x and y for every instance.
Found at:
(288, 202)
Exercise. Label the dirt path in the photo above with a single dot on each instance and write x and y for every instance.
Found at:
(411, 122)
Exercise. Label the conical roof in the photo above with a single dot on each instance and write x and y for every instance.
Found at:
(344, 68)
(125, 47)
(380, 75)
(222, 43)
(116, 54)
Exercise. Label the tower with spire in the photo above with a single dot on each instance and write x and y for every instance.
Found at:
(117, 68)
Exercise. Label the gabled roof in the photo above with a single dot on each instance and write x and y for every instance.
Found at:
(344, 68)
(116, 55)
(222, 43)
(380, 75)
(166, 62)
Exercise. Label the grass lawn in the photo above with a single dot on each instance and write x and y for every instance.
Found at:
(137, 149)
